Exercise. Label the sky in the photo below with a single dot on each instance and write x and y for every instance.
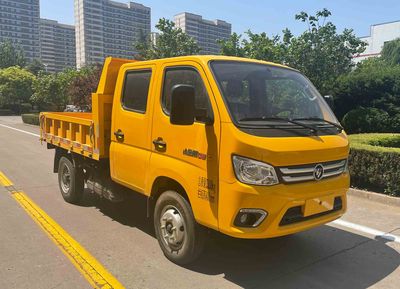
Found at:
(258, 16)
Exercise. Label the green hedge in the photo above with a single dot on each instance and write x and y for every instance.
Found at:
(370, 120)
(6, 111)
(374, 162)
(30, 118)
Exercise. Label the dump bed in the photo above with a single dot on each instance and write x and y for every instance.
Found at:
(72, 131)
(88, 134)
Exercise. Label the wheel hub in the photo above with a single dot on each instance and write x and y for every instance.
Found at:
(172, 228)
(65, 179)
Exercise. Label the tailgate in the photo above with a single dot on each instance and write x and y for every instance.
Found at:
(73, 131)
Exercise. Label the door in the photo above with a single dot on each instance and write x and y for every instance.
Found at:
(131, 126)
(191, 151)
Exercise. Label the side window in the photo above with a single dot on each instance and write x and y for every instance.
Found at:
(186, 75)
(136, 90)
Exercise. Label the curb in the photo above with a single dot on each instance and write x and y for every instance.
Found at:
(375, 197)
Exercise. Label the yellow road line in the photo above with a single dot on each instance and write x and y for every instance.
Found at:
(4, 180)
(91, 269)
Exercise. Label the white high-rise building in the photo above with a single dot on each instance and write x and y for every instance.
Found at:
(108, 28)
(57, 45)
(205, 32)
(19, 23)
(154, 37)
(379, 35)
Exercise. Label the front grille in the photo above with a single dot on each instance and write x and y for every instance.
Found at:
(303, 173)
(295, 214)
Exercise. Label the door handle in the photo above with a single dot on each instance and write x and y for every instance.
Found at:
(119, 135)
(160, 144)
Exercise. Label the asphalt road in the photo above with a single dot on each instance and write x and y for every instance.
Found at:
(121, 238)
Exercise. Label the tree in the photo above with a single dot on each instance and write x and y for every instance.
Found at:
(36, 66)
(15, 86)
(143, 46)
(232, 46)
(374, 83)
(260, 46)
(320, 52)
(11, 55)
(83, 85)
(171, 41)
(256, 46)
(55, 91)
(391, 52)
(51, 90)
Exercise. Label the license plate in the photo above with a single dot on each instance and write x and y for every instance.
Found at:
(318, 205)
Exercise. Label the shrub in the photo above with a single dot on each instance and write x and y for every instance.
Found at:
(373, 84)
(364, 120)
(374, 162)
(6, 111)
(389, 142)
(30, 118)
(25, 108)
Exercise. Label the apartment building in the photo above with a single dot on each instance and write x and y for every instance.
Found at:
(379, 35)
(205, 32)
(19, 23)
(57, 45)
(154, 37)
(108, 28)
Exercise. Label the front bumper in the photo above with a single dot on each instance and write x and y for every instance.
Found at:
(277, 200)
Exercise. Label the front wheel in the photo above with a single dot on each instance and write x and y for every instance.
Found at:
(70, 181)
(177, 232)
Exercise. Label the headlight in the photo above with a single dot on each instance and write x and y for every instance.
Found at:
(253, 172)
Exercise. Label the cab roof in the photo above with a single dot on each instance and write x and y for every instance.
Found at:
(207, 58)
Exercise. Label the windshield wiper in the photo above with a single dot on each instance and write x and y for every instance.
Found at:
(338, 126)
(311, 128)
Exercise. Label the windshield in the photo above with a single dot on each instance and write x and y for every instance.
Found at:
(257, 92)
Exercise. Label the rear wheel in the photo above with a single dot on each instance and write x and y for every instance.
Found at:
(70, 181)
(179, 235)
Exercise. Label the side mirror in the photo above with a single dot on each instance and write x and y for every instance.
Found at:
(182, 105)
(329, 101)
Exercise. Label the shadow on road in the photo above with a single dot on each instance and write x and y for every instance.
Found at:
(325, 257)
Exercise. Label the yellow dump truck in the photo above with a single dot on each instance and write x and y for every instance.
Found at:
(245, 147)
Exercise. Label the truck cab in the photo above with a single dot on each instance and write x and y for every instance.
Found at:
(245, 147)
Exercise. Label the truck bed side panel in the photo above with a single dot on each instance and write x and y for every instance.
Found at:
(71, 131)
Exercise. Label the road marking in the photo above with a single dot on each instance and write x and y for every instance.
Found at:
(20, 130)
(367, 230)
(4, 180)
(90, 268)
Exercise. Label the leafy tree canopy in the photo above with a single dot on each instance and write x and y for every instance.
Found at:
(374, 83)
(15, 85)
(171, 41)
(50, 90)
(84, 84)
(391, 52)
(36, 66)
(55, 91)
(234, 46)
(320, 52)
(11, 55)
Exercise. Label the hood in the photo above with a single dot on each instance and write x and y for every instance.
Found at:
(286, 151)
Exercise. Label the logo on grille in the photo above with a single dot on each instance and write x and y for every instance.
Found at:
(318, 172)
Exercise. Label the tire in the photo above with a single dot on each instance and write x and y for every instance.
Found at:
(70, 181)
(180, 237)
